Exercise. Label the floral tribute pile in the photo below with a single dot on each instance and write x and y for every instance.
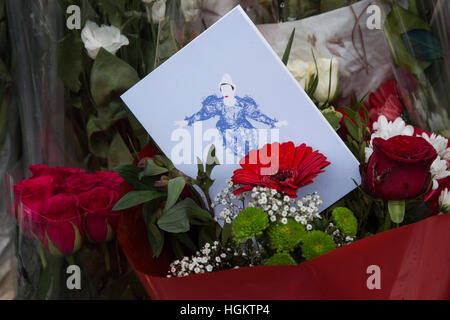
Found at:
(174, 233)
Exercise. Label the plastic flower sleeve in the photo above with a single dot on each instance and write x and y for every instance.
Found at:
(418, 39)
(9, 152)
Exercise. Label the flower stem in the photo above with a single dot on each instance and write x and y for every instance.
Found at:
(387, 222)
(106, 255)
(70, 260)
(42, 256)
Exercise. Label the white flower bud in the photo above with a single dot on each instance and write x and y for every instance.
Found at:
(106, 37)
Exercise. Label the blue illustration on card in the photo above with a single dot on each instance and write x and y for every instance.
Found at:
(234, 112)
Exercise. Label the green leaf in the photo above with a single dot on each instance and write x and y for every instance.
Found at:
(226, 233)
(287, 51)
(352, 128)
(333, 117)
(175, 188)
(130, 174)
(70, 60)
(152, 169)
(87, 12)
(135, 198)
(156, 238)
(197, 216)
(398, 22)
(175, 219)
(97, 137)
(211, 160)
(118, 153)
(110, 77)
(422, 44)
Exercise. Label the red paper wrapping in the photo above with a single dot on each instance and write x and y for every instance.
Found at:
(414, 261)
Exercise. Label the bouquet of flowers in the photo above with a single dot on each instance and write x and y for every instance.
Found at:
(405, 172)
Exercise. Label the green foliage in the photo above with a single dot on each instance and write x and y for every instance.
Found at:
(422, 44)
(175, 188)
(134, 198)
(280, 259)
(249, 223)
(345, 221)
(70, 60)
(110, 77)
(287, 51)
(333, 117)
(175, 219)
(399, 22)
(316, 244)
(357, 126)
(179, 217)
(152, 169)
(286, 237)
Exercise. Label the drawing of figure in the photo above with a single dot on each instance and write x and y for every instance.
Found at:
(234, 113)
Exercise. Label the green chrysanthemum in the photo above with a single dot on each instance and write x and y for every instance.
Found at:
(285, 237)
(249, 223)
(316, 244)
(280, 259)
(345, 221)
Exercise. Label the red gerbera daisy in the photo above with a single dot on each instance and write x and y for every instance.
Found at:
(284, 167)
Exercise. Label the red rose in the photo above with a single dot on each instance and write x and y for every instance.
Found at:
(293, 168)
(28, 194)
(78, 183)
(399, 168)
(96, 207)
(58, 226)
(109, 179)
(59, 173)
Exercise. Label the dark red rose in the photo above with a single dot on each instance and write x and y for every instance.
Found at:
(28, 195)
(109, 179)
(399, 168)
(96, 206)
(58, 225)
(78, 183)
(288, 169)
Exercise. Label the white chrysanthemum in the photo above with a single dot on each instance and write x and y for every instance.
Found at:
(387, 129)
(439, 171)
(439, 143)
(444, 201)
(107, 37)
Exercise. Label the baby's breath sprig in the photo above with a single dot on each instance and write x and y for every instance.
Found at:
(280, 207)
(338, 236)
(230, 204)
(213, 257)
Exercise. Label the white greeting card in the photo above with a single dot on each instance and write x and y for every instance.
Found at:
(229, 88)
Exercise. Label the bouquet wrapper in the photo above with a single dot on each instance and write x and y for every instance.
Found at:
(413, 260)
